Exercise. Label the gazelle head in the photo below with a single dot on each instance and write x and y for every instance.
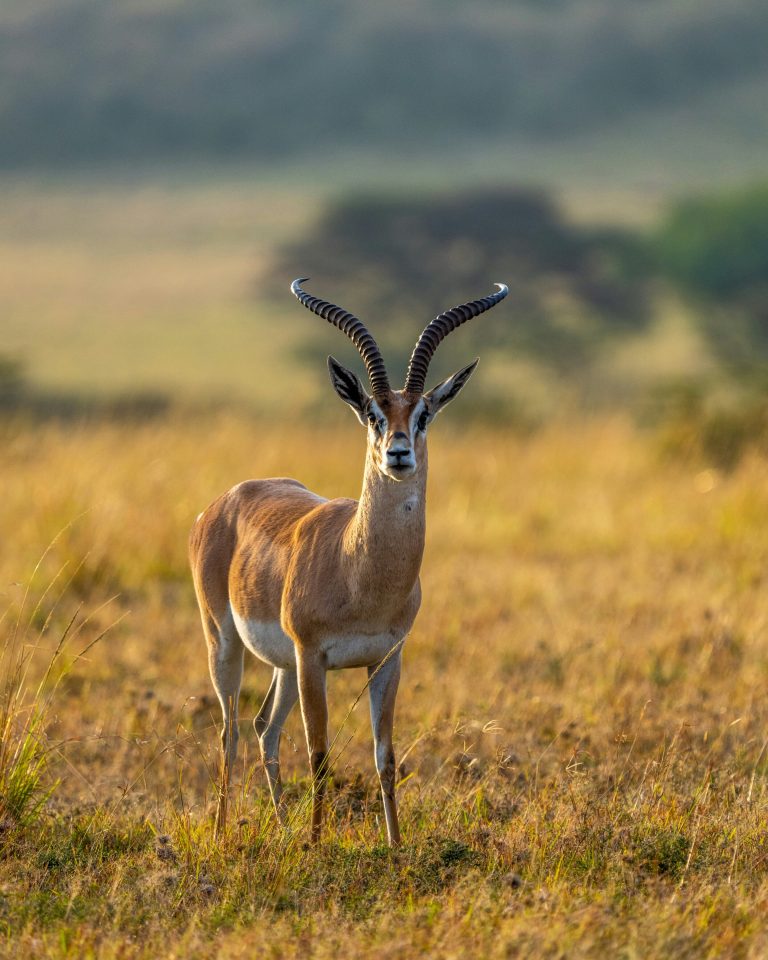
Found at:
(397, 420)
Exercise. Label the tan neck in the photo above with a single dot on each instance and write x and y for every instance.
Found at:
(385, 539)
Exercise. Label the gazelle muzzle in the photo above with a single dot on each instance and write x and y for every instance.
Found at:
(399, 456)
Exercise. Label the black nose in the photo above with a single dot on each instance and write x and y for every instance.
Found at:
(398, 452)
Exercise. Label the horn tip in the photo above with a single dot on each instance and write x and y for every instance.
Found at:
(296, 285)
(503, 288)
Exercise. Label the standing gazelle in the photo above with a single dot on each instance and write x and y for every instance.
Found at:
(311, 585)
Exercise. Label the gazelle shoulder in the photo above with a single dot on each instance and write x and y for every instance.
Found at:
(322, 528)
(340, 510)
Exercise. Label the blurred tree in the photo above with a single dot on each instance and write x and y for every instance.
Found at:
(715, 249)
(398, 261)
(12, 381)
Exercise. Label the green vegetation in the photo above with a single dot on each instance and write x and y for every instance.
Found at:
(124, 299)
(716, 249)
(25, 710)
(668, 89)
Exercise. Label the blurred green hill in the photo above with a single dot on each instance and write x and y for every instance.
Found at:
(89, 82)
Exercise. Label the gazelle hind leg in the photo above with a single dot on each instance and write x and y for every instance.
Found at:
(225, 661)
(280, 700)
(382, 689)
(261, 718)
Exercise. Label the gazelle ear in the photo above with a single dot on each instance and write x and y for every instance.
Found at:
(441, 395)
(349, 388)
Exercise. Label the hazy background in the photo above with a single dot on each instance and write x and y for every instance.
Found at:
(168, 168)
(585, 770)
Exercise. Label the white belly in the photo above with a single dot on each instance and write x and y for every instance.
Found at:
(268, 641)
(358, 650)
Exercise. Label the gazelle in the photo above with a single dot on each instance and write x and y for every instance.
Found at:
(310, 585)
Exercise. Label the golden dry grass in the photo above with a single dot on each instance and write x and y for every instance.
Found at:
(582, 716)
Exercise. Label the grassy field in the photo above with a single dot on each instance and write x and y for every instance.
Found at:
(581, 724)
(126, 287)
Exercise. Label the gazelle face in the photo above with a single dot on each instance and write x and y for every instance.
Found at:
(397, 434)
(397, 422)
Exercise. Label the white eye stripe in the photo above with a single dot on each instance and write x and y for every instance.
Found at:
(375, 417)
(418, 411)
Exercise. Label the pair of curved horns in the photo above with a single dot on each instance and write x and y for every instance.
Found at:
(432, 335)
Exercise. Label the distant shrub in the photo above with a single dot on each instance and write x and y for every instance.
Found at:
(716, 250)
(692, 426)
(398, 260)
(718, 246)
(11, 380)
(17, 396)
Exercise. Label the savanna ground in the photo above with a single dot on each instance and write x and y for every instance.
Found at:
(582, 720)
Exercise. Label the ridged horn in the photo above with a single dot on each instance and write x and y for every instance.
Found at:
(437, 330)
(354, 329)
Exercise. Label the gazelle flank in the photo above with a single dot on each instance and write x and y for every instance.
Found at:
(310, 585)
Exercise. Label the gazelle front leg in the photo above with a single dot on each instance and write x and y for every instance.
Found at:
(383, 683)
(314, 711)
(281, 699)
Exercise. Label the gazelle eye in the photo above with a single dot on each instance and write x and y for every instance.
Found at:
(422, 424)
(375, 421)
